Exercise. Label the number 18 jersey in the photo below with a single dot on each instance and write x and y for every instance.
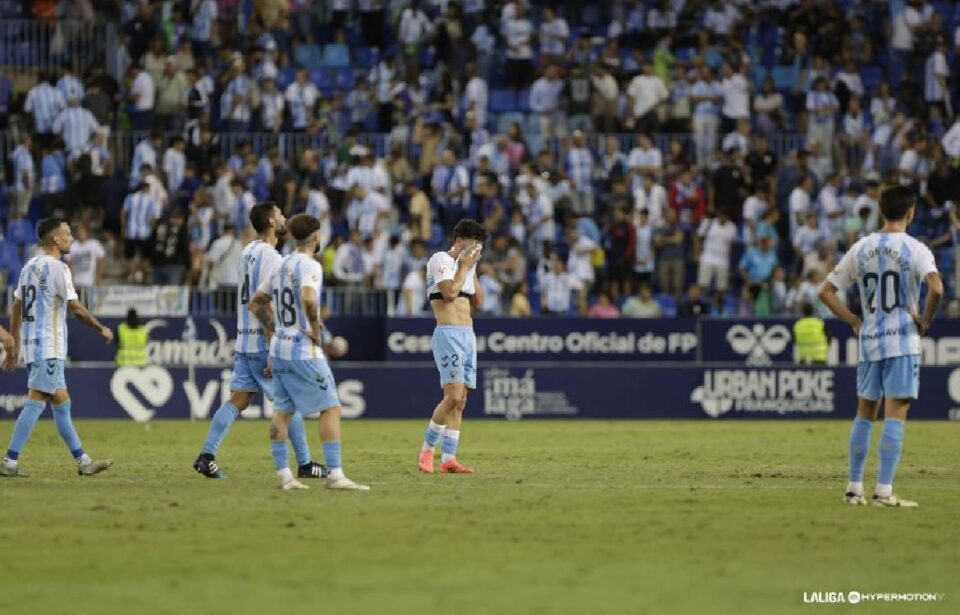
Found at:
(889, 269)
(46, 286)
(258, 261)
(296, 272)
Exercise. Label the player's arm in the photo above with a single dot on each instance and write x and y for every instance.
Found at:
(450, 289)
(828, 294)
(83, 315)
(262, 307)
(934, 296)
(309, 297)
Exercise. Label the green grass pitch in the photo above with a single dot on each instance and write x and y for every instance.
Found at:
(562, 517)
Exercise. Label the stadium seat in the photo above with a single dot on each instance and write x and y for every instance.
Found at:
(21, 232)
(783, 77)
(344, 79)
(365, 57)
(10, 262)
(502, 101)
(523, 101)
(668, 304)
(757, 74)
(285, 77)
(871, 76)
(322, 78)
(436, 236)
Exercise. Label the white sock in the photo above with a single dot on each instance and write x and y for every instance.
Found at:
(855, 488)
(883, 491)
(336, 474)
(285, 475)
(84, 459)
(453, 434)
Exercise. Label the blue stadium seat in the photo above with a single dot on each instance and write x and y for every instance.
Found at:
(523, 101)
(668, 304)
(365, 57)
(783, 77)
(871, 76)
(757, 74)
(502, 101)
(436, 236)
(344, 79)
(322, 78)
(10, 262)
(285, 77)
(21, 232)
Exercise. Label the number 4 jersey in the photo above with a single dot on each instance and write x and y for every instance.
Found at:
(258, 261)
(296, 272)
(889, 269)
(46, 286)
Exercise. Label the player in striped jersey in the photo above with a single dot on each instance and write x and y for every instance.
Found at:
(303, 383)
(257, 263)
(39, 320)
(889, 267)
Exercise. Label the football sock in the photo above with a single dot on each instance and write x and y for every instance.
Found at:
(451, 438)
(219, 426)
(298, 438)
(278, 448)
(331, 453)
(430, 439)
(859, 445)
(891, 445)
(61, 416)
(32, 410)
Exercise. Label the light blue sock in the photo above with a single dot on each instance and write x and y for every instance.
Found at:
(859, 445)
(278, 448)
(331, 453)
(61, 416)
(219, 426)
(451, 440)
(891, 444)
(298, 438)
(433, 434)
(32, 410)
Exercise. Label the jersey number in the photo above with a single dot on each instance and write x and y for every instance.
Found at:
(887, 286)
(286, 313)
(245, 290)
(29, 298)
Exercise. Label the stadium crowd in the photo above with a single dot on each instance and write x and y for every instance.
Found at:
(625, 157)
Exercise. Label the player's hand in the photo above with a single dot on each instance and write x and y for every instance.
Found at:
(106, 333)
(856, 327)
(923, 325)
(12, 353)
(268, 370)
(471, 255)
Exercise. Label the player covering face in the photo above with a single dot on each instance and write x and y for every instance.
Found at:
(453, 290)
(889, 268)
(288, 307)
(38, 320)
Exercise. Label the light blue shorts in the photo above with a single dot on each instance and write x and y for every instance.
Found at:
(46, 376)
(455, 351)
(304, 386)
(248, 374)
(896, 377)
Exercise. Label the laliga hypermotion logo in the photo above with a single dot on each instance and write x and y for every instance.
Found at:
(759, 342)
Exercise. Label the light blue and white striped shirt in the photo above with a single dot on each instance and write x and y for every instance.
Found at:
(53, 177)
(45, 102)
(238, 86)
(579, 166)
(76, 125)
(23, 166)
(46, 286)
(174, 163)
(271, 110)
(203, 16)
(301, 99)
(70, 86)
(141, 212)
(296, 272)
(143, 154)
(258, 261)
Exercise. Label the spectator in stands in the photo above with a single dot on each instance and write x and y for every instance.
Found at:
(24, 177)
(545, 102)
(694, 305)
(220, 262)
(554, 36)
(558, 289)
(604, 307)
(768, 107)
(643, 263)
(757, 264)
(705, 95)
(620, 251)
(53, 177)
(652, 197)
(800, 203)
(172, 88)
(170, 253)
(204, 28)
(44, 102)
(645, 94)
(578, 166)
(236, 100)
(86, 259)
(642, 305)
(518, 34)
(142, 98)
(728, 188)
(822, 106)
(715, 243)
(735, 88)
(138, 218)
(348, 265)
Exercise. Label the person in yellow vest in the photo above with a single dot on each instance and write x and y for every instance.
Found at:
(132, 339)
(810, 338)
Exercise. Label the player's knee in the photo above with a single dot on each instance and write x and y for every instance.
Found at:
(278, 431)
(450, 401)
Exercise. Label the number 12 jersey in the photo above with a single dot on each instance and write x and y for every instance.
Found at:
(889, 269)
(46, 286)
(296, 272)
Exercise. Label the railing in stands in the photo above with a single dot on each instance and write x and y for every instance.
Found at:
(30, 45)
(223, 302)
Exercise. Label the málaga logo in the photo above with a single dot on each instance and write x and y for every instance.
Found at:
(513, 396)
(788, 391)
(758, 342)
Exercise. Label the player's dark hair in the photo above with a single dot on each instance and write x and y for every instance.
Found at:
(896, 202)
(469, 229)
(302, 226)
(260, 215)
(47, 226)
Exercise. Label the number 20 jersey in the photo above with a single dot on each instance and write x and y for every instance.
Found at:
(258, 261)
(296, 272)
(46, 286)
(889, 269)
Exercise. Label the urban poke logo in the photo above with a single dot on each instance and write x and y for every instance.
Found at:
(515, 396)
(765, 391)
(758, 342)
